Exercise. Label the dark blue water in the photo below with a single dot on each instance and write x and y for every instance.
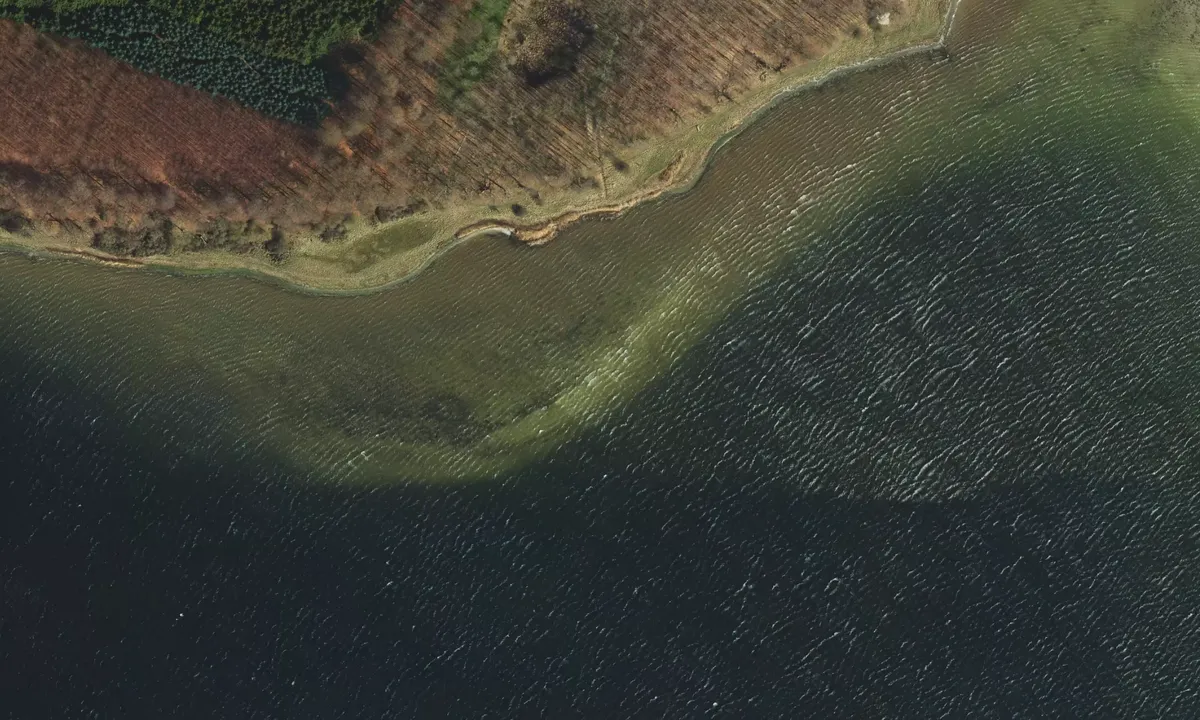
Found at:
(942, 465)
(605, 591)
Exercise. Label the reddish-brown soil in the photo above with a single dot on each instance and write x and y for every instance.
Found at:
(88, 139)
(79, 128)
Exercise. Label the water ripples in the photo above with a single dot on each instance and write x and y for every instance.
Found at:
(498, 354)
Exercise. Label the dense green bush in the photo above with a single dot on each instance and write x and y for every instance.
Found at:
(184, 53)
(157, 238)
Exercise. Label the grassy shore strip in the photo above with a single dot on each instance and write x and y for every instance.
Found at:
(656, 168)
(373, 258)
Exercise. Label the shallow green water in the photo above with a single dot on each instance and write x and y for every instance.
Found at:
(498, 354)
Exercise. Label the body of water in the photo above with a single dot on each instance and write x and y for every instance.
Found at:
(893, 415)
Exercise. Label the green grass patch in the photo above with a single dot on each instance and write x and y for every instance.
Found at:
(401, 238)
(472, 56)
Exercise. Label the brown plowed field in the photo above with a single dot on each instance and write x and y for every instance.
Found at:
(86, 138)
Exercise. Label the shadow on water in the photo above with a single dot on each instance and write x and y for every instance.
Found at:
(611, 588)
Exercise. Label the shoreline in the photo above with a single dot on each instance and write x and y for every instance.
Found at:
(444, 229)
(544, 232)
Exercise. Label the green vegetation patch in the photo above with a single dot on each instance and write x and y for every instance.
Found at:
(471, 57)
(184, 53)
(258, 53)
(368, 252)
(300, 30)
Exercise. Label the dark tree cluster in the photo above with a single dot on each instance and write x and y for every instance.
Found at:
(221, 235)
(299, 30)
(14, 222)
(155, 239)
(186, 54)
(259, 53)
